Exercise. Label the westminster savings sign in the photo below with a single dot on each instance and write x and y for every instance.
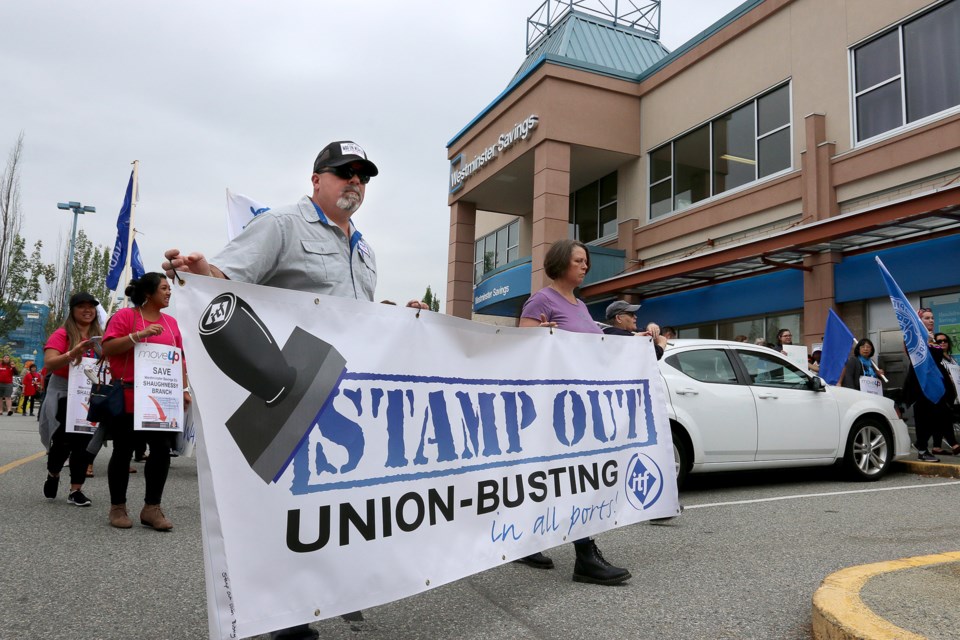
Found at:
(353, 453)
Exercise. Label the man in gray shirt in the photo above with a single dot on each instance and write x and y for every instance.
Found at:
(311, 246)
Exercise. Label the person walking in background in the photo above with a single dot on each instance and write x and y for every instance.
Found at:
(926, 317)
(7, 372)
(947, 433)
(67, 345)
(784, 336)
(860, 365)
(622, 319)
(931, 419)
(566, 263)
(142, 323)
(32, 385)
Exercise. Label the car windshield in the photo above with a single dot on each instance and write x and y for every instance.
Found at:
(769, 370)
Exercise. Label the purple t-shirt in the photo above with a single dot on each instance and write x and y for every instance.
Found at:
(569, 317)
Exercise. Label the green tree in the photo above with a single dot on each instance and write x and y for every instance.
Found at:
(433, 302)
(16, 274)
(90, 266)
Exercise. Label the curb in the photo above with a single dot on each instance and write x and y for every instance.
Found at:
(938, 469)
(840, 614)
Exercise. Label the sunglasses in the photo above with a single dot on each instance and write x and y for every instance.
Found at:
(943, 342)
(346, 172)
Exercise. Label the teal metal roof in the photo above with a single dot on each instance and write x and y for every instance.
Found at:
(565, 55)
(598, 44)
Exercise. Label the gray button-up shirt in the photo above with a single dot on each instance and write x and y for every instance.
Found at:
(297, 247)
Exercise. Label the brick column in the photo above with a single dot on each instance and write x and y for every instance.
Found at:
(463, 221)
(818, 294)
(551, 204)
(819, 193)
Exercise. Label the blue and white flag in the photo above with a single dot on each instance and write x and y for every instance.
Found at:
(241, 210)
(119, 257)
(915, 339)
(837, 343)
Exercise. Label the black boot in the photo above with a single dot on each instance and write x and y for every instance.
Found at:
(537, 561)
(593, 568)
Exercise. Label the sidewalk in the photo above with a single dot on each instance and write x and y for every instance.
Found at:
(907, 599)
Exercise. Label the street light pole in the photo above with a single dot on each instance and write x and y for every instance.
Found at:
(77, 209)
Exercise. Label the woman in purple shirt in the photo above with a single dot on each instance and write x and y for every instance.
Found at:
(566, 263)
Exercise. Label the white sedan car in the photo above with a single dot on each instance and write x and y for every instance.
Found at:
(736, 406)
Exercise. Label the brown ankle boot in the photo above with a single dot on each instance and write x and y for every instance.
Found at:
(119, 517)
(152, 516)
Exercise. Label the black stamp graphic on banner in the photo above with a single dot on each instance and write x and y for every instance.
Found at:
(288, 385)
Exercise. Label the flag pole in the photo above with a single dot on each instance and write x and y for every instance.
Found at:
(121, 283)
(134, 195)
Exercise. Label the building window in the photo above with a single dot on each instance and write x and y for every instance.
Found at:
(496, 249)
(593, 210)
(762, 328)
(907, 73)
(750, 142)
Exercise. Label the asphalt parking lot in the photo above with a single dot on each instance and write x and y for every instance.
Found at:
(743, 561)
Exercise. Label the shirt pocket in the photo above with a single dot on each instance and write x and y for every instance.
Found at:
(319, 259)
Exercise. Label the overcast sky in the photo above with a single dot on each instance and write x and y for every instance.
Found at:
(241, 94)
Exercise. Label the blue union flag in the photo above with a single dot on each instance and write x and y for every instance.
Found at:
(118, 258)
(915, 339)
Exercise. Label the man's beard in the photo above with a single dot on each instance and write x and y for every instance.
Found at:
(349, 201)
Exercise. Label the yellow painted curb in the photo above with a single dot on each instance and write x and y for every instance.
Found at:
(840, 614)
(938, 469)
(17, 463)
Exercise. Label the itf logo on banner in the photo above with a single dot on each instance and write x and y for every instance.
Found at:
(643, 482)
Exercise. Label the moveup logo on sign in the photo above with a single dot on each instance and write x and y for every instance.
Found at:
(459, 171)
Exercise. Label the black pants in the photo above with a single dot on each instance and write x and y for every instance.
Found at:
(125, 439)
(63, 444)
(28, 400)
(932, 420)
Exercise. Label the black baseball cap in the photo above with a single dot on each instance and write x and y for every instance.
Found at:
(337, 154)
(81, 297)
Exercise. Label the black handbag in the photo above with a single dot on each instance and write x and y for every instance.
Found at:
(106, 399)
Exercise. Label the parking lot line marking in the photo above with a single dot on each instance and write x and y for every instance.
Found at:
(17, 463)
(819, 495)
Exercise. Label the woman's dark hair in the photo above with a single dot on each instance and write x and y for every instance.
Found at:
(860, 343)
(948, 347)
(781, 332)
(557, 260)
(145, 285)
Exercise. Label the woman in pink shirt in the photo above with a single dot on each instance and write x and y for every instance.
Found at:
(556, 305)
(66, 346)
(142, 323)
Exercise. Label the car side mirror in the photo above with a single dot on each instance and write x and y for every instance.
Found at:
(816, 384)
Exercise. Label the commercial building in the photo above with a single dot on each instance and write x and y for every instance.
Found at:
(741, 183)
(26, 341)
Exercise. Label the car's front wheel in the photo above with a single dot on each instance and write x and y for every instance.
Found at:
(869, 450)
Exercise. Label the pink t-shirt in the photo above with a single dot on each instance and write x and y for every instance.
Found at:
(59, 342)
(552, 304)
(127, 321)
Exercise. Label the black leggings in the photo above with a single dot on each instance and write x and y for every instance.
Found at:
(125, 439)
(28, 400)
(63, 444)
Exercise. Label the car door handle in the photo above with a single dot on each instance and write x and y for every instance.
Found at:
(686, 392)
(767, 396)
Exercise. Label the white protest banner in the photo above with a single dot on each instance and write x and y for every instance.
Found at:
(78, 397)
(797, 354)
(157, 388)
(354, 453)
